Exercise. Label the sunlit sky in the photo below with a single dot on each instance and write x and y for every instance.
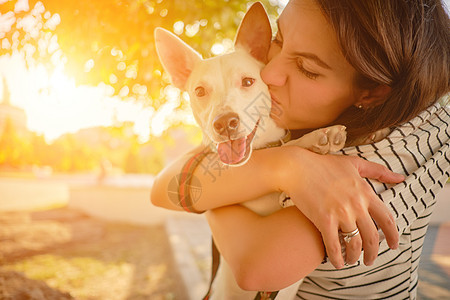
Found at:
(55, 104)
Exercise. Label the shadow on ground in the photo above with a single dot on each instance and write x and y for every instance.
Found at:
(64, 254)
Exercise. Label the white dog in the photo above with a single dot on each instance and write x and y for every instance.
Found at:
(232, 105)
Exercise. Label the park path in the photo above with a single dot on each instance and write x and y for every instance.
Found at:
(188, 235)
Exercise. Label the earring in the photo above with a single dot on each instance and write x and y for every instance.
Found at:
(360, 106)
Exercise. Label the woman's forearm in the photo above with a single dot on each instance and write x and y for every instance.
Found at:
(218, 185)
(266, 253)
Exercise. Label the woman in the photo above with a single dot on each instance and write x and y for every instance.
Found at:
(368, 65)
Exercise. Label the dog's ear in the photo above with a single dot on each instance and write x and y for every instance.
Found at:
(254, 33)
(177, 58)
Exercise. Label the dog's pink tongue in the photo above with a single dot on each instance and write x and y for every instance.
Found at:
(232, 152)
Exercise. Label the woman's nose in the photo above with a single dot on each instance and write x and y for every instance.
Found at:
(273, 72)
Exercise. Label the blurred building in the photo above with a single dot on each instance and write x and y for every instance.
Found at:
(7, 111)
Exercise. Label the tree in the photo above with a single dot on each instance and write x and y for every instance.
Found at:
(10, 146)
(112, 41)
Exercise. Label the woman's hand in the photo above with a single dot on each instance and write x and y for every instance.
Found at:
(334, 196)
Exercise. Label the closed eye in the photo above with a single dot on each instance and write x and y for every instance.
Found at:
(301, 68)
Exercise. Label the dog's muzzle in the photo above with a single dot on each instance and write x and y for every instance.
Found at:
(233, 152)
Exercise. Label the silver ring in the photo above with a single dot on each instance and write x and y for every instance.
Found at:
(347, 236)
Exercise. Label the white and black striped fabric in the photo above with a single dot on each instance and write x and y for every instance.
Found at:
(418, 149)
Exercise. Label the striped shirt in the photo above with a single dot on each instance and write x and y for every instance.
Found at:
(418, 149)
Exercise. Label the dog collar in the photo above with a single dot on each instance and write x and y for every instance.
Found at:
(286, 138)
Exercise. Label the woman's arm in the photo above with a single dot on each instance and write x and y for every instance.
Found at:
(266, 253)
(328, 189)
(268, 170)
(221, 185)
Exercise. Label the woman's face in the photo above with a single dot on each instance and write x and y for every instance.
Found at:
(309, 80)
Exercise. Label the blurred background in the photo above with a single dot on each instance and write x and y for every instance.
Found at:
(87, 119)
(81, 87)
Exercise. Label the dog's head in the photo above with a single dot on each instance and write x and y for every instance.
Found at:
(229, 100)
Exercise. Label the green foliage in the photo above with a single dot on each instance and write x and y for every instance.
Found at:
(117, 36)
(70, 273)
(109, 41)
(9, 140)
(15, 146)
(89, 149)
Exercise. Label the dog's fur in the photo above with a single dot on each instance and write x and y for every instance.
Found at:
(232, 105)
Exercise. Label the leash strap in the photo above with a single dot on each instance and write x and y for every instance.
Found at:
(185, 180)
(185, 200)
(184, 188)
(266, 295)
(214, 267)
(286, 138)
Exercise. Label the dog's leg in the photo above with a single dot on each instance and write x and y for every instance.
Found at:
(323, 140)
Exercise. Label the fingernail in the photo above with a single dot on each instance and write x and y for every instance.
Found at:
(369, 263)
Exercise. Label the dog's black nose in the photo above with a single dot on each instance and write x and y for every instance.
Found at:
(226, 124)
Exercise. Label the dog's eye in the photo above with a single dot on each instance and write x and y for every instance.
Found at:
(200, 91)
(247, 81)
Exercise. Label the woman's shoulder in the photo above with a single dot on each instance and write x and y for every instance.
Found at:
(430, 126)
(435, 115)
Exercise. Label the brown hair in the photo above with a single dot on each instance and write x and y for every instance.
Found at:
(400, 43)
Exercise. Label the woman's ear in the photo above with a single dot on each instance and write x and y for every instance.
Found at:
(372, 97)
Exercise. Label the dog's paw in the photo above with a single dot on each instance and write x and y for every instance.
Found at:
(330, 139)
(323, 140)
(377, 136)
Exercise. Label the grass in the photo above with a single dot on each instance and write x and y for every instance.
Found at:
(113, 261)
(80, 275)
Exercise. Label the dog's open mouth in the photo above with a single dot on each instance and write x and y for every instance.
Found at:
(233, 152)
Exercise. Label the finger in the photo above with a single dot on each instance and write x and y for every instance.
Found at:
(333, 247)
(353, 247)
(385, 221)
(376, 171)
(370, 238)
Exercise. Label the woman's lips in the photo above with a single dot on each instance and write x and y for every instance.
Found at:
(274, 99)
(277, 109)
